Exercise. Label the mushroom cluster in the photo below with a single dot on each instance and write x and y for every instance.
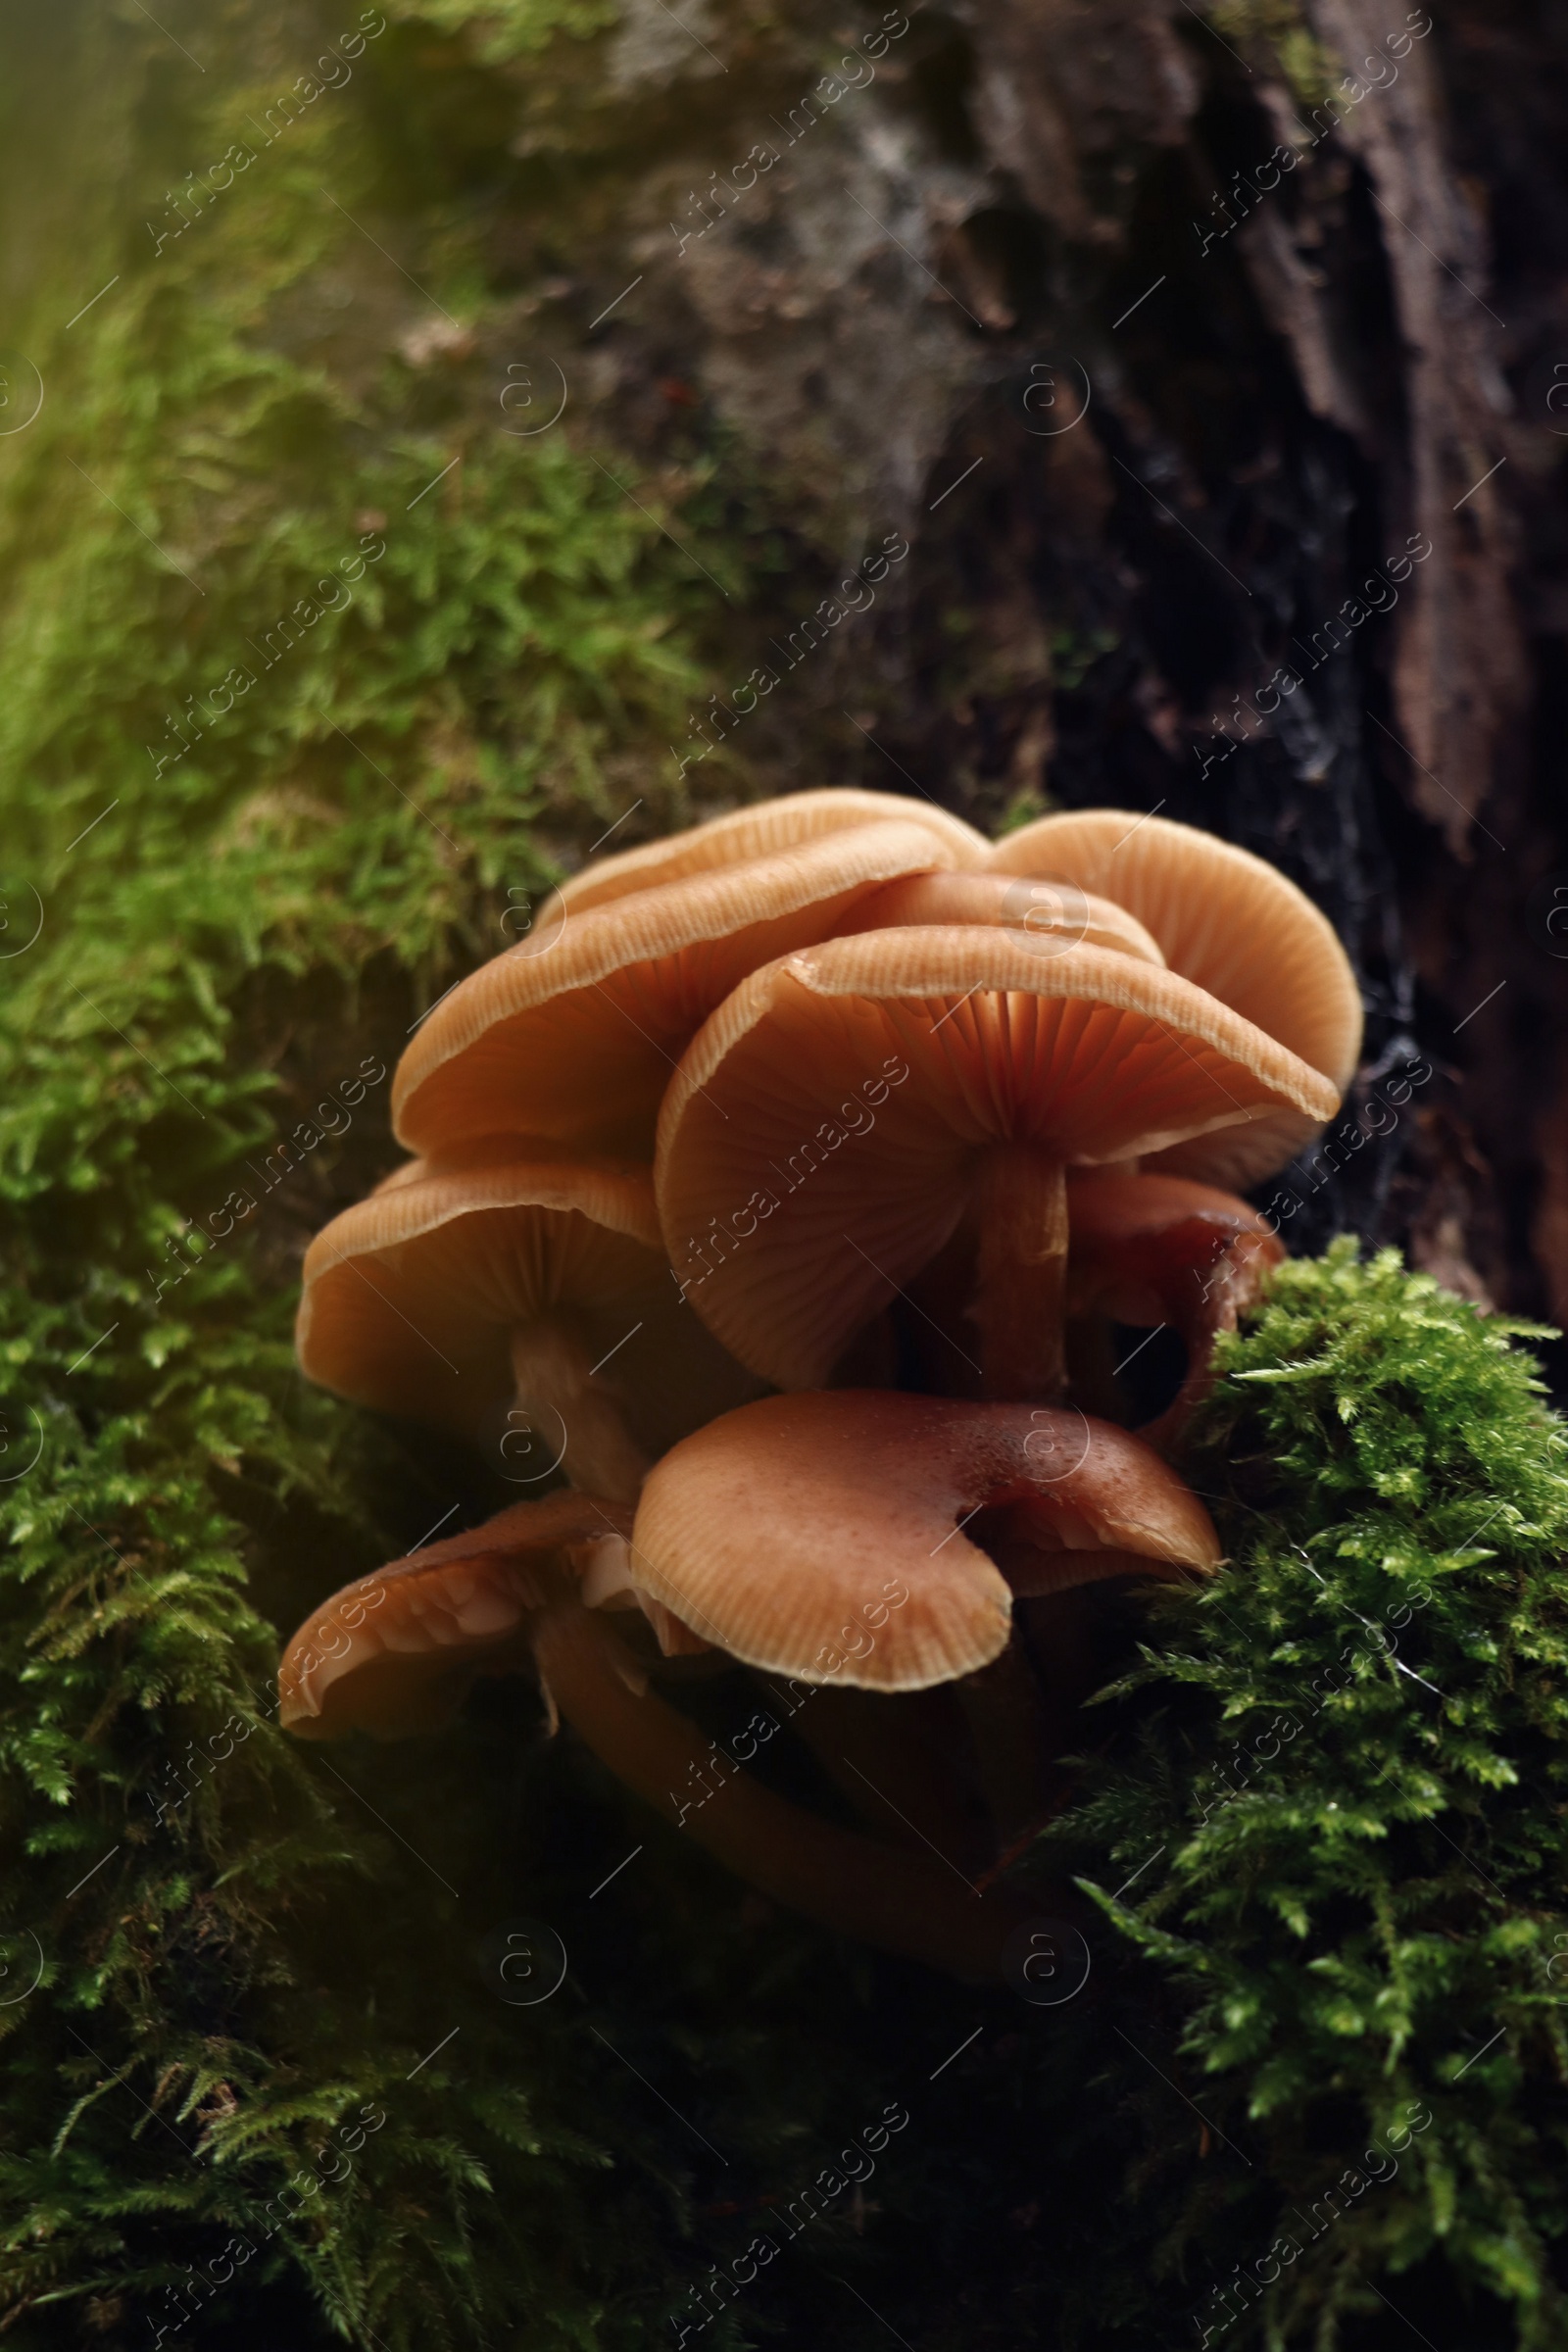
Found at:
(785, 1191)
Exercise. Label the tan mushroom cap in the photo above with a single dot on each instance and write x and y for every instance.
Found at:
(1162, 1251)
(1046, 916)
(1230, 922)
(454, 1289)
(396, 1651)
(409, 1295)
(821, 1536)
(575, 1036)
(830, 1125)
(758, 832)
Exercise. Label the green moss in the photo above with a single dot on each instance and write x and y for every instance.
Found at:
(1276, 30)
(1340, 1776)
(508, 28)
(234, 904)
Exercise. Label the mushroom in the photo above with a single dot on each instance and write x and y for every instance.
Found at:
(1161, 1251)
(409, 1640)
(882, 1540)
(1234, 925)
(397, 1652)
(824, 1535)
(901, 1901)
(847, 1106)
(511, 1279)
(759, 831)
(573, 1034)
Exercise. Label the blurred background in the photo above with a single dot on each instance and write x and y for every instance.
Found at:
(423, 429)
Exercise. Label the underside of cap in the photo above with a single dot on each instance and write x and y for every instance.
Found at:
(760, 832)
(821, 1536)
(573, 1037)
(395, 1652)
(1120, 1219)
(826, 1131)
(410, 1297)
(1044, 916)
(1225, 919)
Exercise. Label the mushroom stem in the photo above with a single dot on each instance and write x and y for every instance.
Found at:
(902, 1902)
(900, 1759)
(555, 1381)
(1021, 1209)
(1010, 1728)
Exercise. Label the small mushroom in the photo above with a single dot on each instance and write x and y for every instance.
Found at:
(1235, 926)
(521, 1280)
(575, 1033)
(885, 1541)
(759, 831)
(1162, 1251)
(847, 1106)
(395, 1652)
(879, 1540)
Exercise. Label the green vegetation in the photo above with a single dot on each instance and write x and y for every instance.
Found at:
(1340, 1776)
(1275, 30)
(508, 29)
(282, 729)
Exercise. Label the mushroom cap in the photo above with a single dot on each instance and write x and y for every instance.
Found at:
(396, 1651)
(1147, 1242)
(1227, 920)
(1045, 917)
(1162, 1251)
(788, 1530)
(822, 1180)
(573, 1034)
(410, 1297)
(758, 832)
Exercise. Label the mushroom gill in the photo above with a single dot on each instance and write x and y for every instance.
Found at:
(842, 1110)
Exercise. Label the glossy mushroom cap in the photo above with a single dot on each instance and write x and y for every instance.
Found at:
(759, 831)
(573, 1034)
(838, 1536)
(1231, 923)
(828, 1127)
(396, 1652)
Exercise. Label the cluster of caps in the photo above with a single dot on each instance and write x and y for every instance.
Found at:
(834, 1099)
